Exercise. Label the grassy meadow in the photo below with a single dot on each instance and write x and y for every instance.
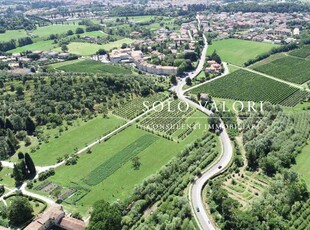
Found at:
(40, 45)
(12, 34)
(302, 164)
(45, 31)
(90, 66)
(237, 51)
(112, 183)
(78, 136)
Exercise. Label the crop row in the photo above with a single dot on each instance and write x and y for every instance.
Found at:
(303, 52)
(186, 132)
(137, 106)
(172, 116)
(294, 99)
(289, 69)
(300, 216)
(247, 86)
(108, 167)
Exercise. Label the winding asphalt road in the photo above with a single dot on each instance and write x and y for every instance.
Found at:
(200, 214)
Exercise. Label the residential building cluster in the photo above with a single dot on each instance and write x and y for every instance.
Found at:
(256, 26)
(20, 63)
(213, 67)
(187, 34)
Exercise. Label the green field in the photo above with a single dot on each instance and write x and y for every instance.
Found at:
(40, 45)
(65, 63)
(135, 107)
(95, 34)
(55, 29)
(136, 19)
(153, 155)
(232, 68)
(78, 136)
(302, 164)
(89, 66)
(120, 158)
(117, 44)
(238, 51)
(290, 69)
(304, 52)
(247, 86)
(82, 48)
(12, 34)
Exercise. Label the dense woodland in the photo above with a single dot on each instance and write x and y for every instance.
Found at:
(16, 23)
(51, 100)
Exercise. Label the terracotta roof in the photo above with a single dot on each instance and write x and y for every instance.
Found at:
(70, 223)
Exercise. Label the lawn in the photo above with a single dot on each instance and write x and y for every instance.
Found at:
(12, 34)
(117, 44)
(136, 19)
(65, 63)
(247, 86)
(95, 34)
(303, 162)
(40, 45)
(5, 177)
(89, 66)
(36, 205)
(78, 136)
(83, 48)
(232, 68)
(288, 68)
(237, 51)
(153, 153)
(55, 29)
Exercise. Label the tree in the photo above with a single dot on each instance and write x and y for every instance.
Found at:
(30, 165)
(101, 52)
(214, 56)
(19, 173)
(136, 162)
(33, 69)
(2, 123)
(79, 30)
(69, 32)
(173, 80)
(8, 124)
(105, 216)
(20, 90)
(214, 122)
(64, 48)
(20, 210)
(30, 126)
(12, 138)
(124, 45)
(188, 81)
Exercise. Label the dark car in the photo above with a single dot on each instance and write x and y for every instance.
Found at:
(220, 167)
